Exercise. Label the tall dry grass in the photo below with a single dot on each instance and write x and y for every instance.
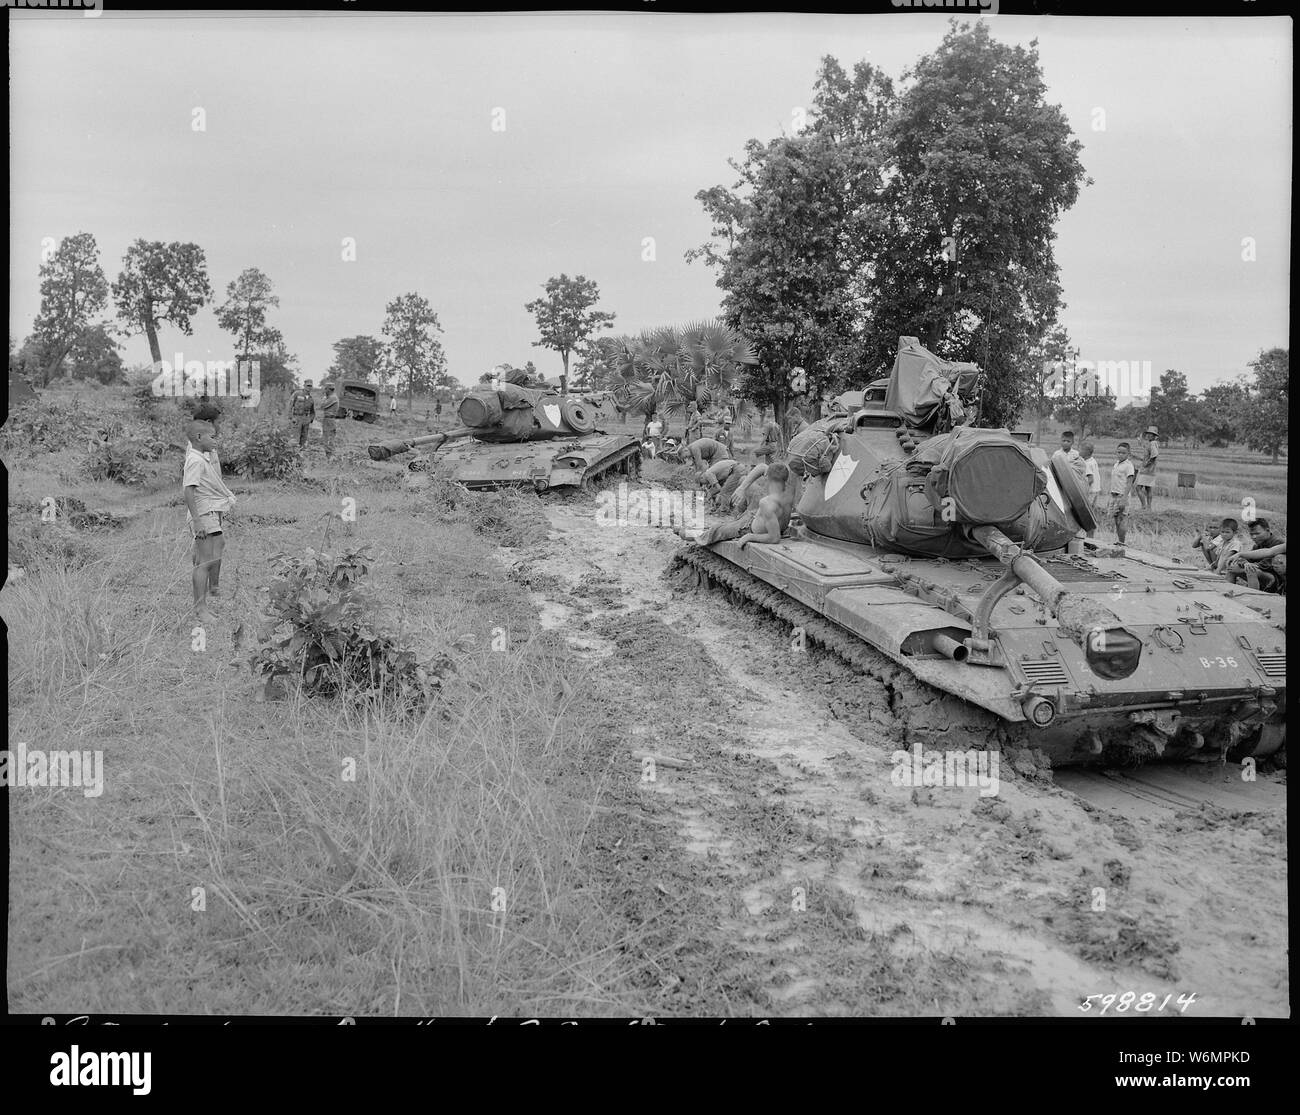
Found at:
(349, 861)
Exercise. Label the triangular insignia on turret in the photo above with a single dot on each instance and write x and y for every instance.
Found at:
(552, 412)
(840, 473)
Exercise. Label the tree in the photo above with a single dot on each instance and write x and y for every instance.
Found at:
(981, 169)
(30, 361)
(566, 317)
(73, 291)
(244, 312)
(1086, 410)
(411, 327)
(665, 369)
(160, 284)
(1265, 410)
(1050, 363)
(790, 238)
(1221, 413)
(360, 357)
(277, 367)
(94, 355)
(1170, 407)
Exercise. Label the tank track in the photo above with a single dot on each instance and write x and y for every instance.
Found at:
(629, 464)
(915, 711)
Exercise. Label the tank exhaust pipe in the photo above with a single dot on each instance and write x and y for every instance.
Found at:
(1110, 649)
(949, 647)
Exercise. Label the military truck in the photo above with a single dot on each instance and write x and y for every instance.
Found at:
(359, 400)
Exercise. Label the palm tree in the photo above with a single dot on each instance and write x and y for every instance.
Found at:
(668, 368)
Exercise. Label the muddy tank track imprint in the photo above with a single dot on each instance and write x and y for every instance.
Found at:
(921, 713)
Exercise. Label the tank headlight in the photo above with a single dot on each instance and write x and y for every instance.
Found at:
(1039, 711)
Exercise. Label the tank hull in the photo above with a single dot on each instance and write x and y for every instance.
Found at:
(1212, 679)
(541, 465)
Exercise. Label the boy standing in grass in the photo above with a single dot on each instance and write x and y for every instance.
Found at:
(1146, 477)
(1092, 474)
(1122, 476)
(207, 500)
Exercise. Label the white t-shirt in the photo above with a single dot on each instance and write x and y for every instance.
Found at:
(202, 472)
(655, 428)
(1119, 476)
(1092, 472)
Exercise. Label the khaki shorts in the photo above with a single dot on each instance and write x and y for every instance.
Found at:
(211, 523)
(1145, 481)
(1118, 505)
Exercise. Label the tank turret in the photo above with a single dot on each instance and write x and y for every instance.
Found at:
(511, 413)
(523, 435)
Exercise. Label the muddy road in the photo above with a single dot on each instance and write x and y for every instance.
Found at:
(833, 891)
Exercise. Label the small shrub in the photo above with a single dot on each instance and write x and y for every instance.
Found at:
(121, 459)
(145, 399)
(321, 627)
(46, 424)
(260, 451)
(33, 544)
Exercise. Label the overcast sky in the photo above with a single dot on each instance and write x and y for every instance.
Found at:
(380, 129)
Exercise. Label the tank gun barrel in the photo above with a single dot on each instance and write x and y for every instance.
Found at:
(381, 451)
(1111, 650)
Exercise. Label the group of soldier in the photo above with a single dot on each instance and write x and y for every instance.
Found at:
(302, 413)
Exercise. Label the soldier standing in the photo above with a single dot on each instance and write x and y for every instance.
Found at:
(329, 412)
(302, 411)
(694, 425)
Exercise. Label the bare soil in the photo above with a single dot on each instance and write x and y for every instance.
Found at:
(792, 877)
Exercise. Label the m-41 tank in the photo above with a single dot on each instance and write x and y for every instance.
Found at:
(523, 436)
(948, 562)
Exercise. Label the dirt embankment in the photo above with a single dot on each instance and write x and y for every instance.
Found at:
(784, 872)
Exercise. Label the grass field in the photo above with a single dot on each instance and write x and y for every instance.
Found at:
(298, 856)
(231, 865)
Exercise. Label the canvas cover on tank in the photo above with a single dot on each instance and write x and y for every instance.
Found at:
(988, 476)
(920, 380)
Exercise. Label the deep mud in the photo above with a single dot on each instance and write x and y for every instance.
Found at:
(803, 881)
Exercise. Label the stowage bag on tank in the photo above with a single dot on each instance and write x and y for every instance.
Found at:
(812, 452)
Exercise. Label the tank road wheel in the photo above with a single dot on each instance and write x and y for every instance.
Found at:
(577, 415)
(1075, 494)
